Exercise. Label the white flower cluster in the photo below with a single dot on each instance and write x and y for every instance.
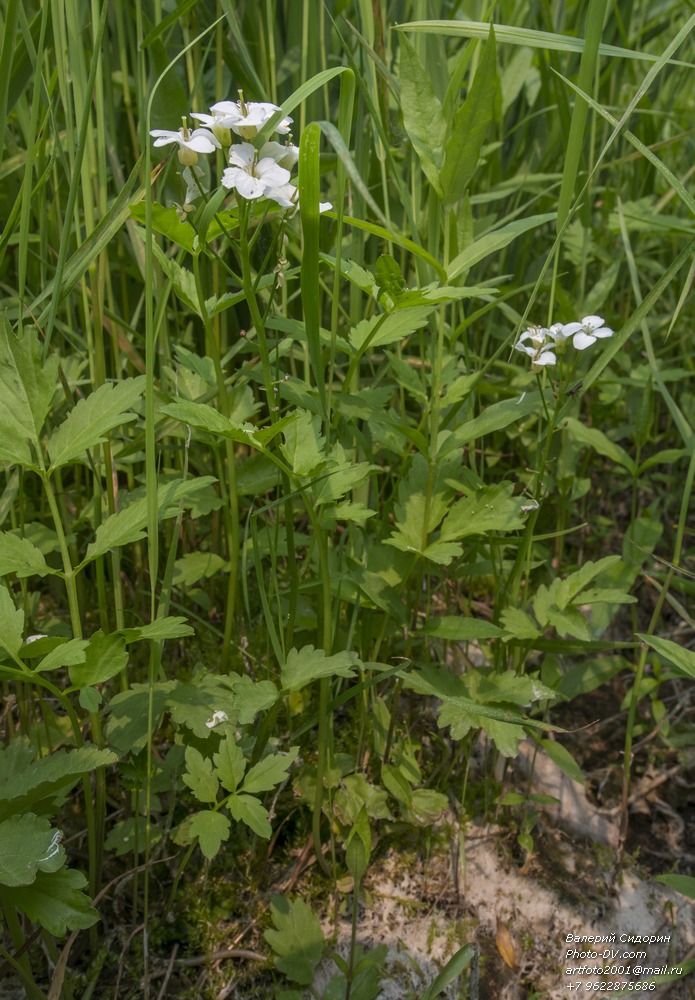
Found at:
(541, 343)
(253, 173)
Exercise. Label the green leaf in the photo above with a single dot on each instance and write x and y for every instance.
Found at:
(308, 664)
(494, 418)
(493, 242)
(166, 221)
(206, 418)
(297, 940)
(304, 443)
(676, 654)
(596, 439)
(105, 657)
(199, 776)
(251, 697)
(66, 654)
(196, 566)
(128, 525)
(451, 972)
(168, 627)
(32, 782)
(211, 829)
(54, 901)
(28, 845)
(229, 763)
(246, 809)
(128, 723)
(358, 848)
(457, 628)
(518, 624)
(428, 805)
(356, 792)
(269, 772)
(90, 421)
(685, 884)
(11, 623)
(181, 278)
(422, 114)
(563, 758)
(379, 331)
(490, 508)
(422, 504)
(471, 124)
(19, 556)
(27, 384)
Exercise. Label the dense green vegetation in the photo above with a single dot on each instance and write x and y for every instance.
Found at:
(289, 527)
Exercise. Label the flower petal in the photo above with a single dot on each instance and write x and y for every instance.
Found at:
(591, 323)
(583, 340)
(242, 155)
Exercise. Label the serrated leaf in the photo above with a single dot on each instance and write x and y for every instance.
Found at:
(356, 792)
(297, 940)
(206, 418)
(19, 556)
(269, 772)
(54, 901)
(471, 124)
(27, 384)
(569, 622)
(379, 331)
(304, 443)
(490, 508)
(11, 623)
(561, 756)
(42, 778)
(518, 624)
(308, 664)
(229, 764)
(246, 809)
(211, 829)
(105, 657)
(422, 504)
(423, 118)
(128, 525)
(251, 697)
(90, 421)
(29, 844)
(193, 705)
(199, 776)
(169, 627)
(196, 566)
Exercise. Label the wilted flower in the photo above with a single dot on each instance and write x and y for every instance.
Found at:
(534, 343)
(191, 142)
(587, 332)
(216, 718)
(253, 176)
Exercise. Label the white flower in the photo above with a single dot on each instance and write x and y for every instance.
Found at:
(250, 176)
(191, 143)
(587, 332)
(533, 343)
(244, 118)
(558, 332)
(286, 156)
